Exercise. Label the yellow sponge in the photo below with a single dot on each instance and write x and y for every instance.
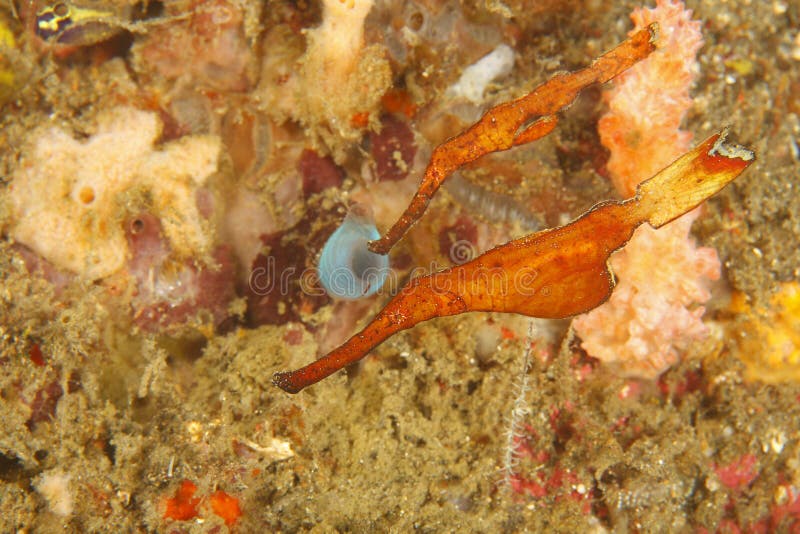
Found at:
(769, 344)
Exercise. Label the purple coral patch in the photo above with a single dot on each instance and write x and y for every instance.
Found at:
(282, 285)
(457, 241)
(393, 149)
(43, 407)
(168, 294)
(319, 173)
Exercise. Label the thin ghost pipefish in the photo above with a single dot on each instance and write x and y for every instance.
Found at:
(555, 273)
(515, 123)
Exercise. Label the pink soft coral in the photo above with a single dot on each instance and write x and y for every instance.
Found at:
(654, 311)
(648, 102)
(652, 314)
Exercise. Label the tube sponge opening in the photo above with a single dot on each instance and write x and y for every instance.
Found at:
(347, 269)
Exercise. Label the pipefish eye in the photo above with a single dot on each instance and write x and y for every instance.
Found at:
(61, 9)
(347, 268)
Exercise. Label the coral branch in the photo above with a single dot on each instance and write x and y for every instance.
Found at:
(514, 123)
(555, 273)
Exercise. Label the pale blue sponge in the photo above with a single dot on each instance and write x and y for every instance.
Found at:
(347, 269)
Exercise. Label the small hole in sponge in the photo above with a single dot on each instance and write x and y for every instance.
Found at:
(416, 20)
(86, 195)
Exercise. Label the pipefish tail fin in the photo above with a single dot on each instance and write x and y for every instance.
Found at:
(691, 179)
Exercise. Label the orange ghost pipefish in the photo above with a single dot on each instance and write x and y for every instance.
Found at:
(515, 123)
(555, 273)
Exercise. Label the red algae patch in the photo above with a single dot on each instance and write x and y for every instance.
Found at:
(739, 473)
(183, 506)
(225, 506)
